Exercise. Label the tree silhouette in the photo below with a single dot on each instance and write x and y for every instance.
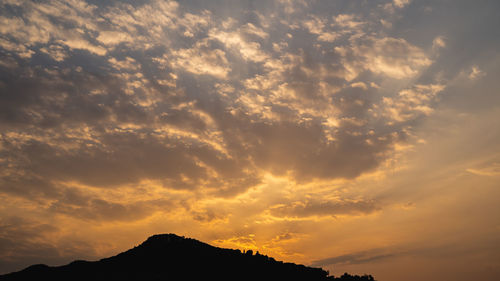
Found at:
(171, 257)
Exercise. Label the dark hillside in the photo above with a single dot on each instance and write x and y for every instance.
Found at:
(170, 257)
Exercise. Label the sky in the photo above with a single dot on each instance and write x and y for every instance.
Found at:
(353, 135)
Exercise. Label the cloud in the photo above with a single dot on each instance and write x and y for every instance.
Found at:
(411, 102)
(169, 117)
(121, 102)
(392, 6)
(128, 113)
(113, 37)
(401, 3)
(348, 21)
(24, 242)
(355, 258)
(491, 170)
(234, 42)
(76, 204)
(251, 29)
(117, 113)
(476, 73)
(392, 57)
(439, 42)
(56, 52)
(326, 208)
(79, 43)
(292, 6)
(21, 50)
(316, 26)
(202, 60)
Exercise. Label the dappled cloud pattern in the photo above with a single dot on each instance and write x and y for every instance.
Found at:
(98, 99)
(123, 112)
(121, 93)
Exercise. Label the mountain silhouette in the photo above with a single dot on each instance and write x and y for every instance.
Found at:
(171, 257)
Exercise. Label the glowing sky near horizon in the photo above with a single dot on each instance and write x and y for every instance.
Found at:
(359, 136)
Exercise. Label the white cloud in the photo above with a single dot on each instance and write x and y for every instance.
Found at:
(20, 49)
(113, 37)
(401, 3)
(56, 52)
(392, 57)
(234, 42)
(438, 43)
(395, 4)
(252, 29)
(411, 103)
(476, 73)
(192, 23)
(347, 21)
(202, 60)
(359, 85)
(316, 25)
(78, 42)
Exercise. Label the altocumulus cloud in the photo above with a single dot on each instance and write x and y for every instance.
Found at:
(99, 101)
(107, 95)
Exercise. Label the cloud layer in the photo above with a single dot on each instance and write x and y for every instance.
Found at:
(231, 115)
(118, 94)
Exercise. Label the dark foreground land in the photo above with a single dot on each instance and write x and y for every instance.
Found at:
(170, 257)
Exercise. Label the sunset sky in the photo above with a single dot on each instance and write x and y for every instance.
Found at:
(353, 135)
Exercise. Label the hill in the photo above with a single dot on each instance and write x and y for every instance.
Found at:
(171, 257)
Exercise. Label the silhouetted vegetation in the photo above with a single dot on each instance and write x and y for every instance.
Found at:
(170, 257)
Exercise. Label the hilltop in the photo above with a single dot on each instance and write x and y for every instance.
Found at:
(172, 257)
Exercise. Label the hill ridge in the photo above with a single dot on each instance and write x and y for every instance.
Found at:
(173, 257)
